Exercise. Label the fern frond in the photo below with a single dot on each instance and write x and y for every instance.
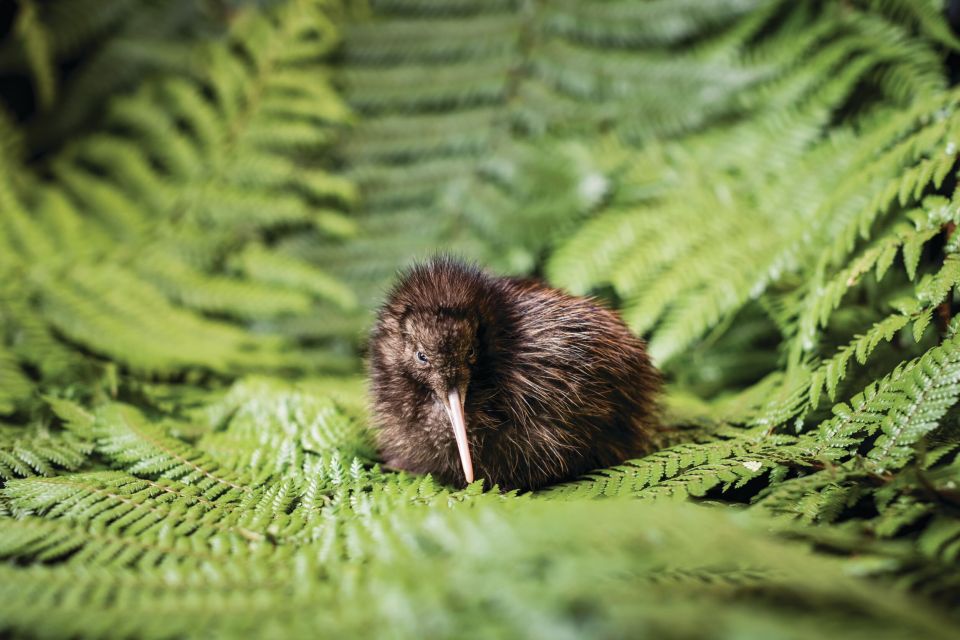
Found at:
(902, 513)
(111, 310)
(719, 279)
(194, 165)
(15, 387)
(187, 167)
(900, 409)
(275, 268)
(194, 289)
(274, 429)
(683, 470)
(111, 519)
(36, 43)
(941, 540)
(829, 374)
(97, 38)
(506, 555)
(132, 443)
(926, 16)
(818, 497)
(928, 387)
(652, 24)
(35, 450)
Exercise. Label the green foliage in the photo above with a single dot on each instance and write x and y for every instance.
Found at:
(33, 450)
(231, 555)
(149, 236)
(804, 206)
(491, 549)
(206, 200)
(687, 469)
(110, 44)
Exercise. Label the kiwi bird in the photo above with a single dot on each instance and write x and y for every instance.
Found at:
(512, 381)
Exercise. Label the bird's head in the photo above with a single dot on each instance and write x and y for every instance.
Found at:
(441, 347)
(436, 328)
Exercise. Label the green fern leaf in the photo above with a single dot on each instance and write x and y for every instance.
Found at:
(929, 387)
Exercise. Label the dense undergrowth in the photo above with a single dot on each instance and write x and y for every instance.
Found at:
(200, 203)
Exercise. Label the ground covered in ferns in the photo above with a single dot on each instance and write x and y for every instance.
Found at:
(201, 203)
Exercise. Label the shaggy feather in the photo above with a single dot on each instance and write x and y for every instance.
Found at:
(555, 385)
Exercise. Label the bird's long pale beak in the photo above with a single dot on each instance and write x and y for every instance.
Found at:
(454, 407)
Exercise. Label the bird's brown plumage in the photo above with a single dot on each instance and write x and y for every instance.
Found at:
(554, 385)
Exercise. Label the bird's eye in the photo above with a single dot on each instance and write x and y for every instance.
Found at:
(422, 357)
(472, 354)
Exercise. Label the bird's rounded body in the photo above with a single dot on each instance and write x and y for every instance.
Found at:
(553, 385)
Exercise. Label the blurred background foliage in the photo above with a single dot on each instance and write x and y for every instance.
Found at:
(201, 203)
